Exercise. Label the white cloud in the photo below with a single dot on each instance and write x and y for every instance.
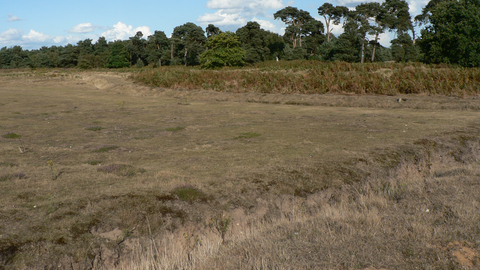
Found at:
(267, 25)
(36, 37)
(10, 36)
(222, 18)
(83, 28)
(13, 18)
(122, 31)
(238, 12)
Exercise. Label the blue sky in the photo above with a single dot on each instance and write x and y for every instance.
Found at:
(33, 23)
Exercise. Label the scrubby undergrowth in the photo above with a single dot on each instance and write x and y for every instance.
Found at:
(316, 77)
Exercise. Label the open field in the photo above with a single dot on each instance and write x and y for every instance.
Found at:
(97, 172)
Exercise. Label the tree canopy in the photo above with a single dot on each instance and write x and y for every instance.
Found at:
(450, 34)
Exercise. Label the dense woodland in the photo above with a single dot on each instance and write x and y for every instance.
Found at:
(450, 33)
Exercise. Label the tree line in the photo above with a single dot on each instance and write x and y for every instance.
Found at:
(450, 33)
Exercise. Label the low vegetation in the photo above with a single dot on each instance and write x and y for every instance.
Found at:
(237, 179)
(316, 77)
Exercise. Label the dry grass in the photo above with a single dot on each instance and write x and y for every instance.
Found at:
(315, 77)
(342, 183)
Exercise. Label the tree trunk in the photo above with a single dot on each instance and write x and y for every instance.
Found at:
(329, 32)
(185, 57)
(363, 52)
(374, 47)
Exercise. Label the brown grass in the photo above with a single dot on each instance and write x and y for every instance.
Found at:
(339, 183)
(315, 77)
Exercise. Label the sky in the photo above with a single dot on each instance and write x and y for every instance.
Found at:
(33, 23)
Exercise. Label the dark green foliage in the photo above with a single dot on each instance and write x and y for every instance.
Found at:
(118, 57)
(158, 49)
(453, 32)
(187, 43)
(254, 42)
(223, 50)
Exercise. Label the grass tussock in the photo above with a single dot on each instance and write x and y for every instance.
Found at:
(420, 213)
(315, 77)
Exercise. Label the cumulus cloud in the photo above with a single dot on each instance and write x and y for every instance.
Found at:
(36, 37)
(33, 39)
(238, 12)
(10, 36)
(83, 28)
(13, 18)
(267, 25)
(122, 31)
(222, 18)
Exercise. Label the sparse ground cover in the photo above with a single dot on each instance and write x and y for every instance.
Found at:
(104, 173)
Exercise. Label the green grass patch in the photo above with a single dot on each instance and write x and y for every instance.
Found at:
(248, 135)
(173, 129)
(11, 135)
(189, 193)
(93, 162)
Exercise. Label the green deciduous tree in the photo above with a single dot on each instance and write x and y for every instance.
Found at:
(223, 49)
(452, 34)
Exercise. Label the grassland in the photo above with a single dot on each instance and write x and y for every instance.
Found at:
(110, 174)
